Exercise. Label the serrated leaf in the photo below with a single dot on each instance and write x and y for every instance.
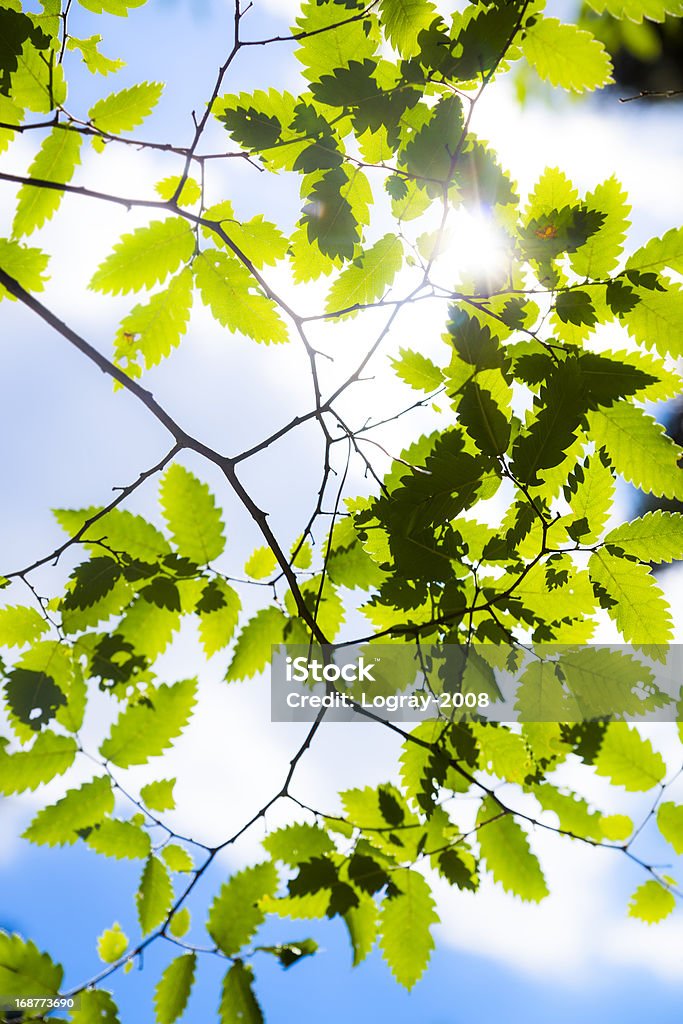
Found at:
(629, 760)
(235, 913)
(95, 1005)
(112, 944)
(49, 756)
(637, 10)
(294, 844)
(173, 991)
(482, 418)
(659, 253)
(252, 650)
(367, 278)
(81, 808)
(238, 1002)
(640, 610)
(20, 625)
(656, 321)
(403, 20)
(125, 110)
(123, 531)
(599, 256)
(639, 449)
(25, 265)
(154, 895)
(590, 493)
(505, 849)
(192, 515)
(145, 730)
(651, 902)
(95, 62)
(217, 624)
(417, 370)
(261, 563)
(153, 329)
(55, 161)
(655, 537)
(404, 924)
(235, 299)
(670, 822)
(120, 839)
(158, 796)
(177, 858)
(145, 257)
(25, 972)
(566, 55)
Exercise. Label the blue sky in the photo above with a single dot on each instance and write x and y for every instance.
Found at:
(65, 898)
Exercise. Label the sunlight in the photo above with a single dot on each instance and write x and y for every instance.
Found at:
(476, 248)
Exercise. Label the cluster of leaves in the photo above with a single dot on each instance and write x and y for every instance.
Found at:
(538, 408)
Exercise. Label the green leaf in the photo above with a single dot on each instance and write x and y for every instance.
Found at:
(328, 216)
(261, 563)
(367, 278)
(145, 730)
(238, 1002)
(599, 256)
(236, 300)
(294, 844)
(27, 266)
(180, 923)
(154, 895)
(25, 972)
(670, 822)
(505, 849)
(192, 515)
(362, 923)
(190, 193)
(158, 796)
(417, 370)
(124, 110)
(659, 253)
(117, 7)
(566, 55)
(55, 161)
(637, 604)
(637, 10)
(590, 493)
(49, 756)
(112, 944)
(173, 991)
(639, 449)
(81, 808)
(20, 625)
(403, 20)
(120, 839)
(235, 913)
(145, 257)
(177, 858)
(95, 62)
(657, 320)
(651, 902)
(121, 530)
(656, 537)
(252, 650)
(404, 924)
(153, 329)
(484, 421)
(218, 622)
(629, 760)
(95, 1006)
